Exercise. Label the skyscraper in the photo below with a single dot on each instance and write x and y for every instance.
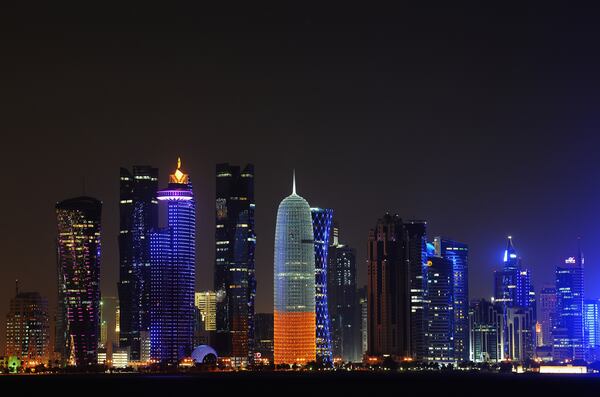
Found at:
(513, 289)
(321, 220)
(235, 281)
(388, 289)
(294, 281)
(108, 324)
(344, 309)
(27, 328)
(364, 321)
(567, 331)
(138, 209)
(547, 313)
(521, 333)
(416, 244)
(206, 317)
(439, 315)
(78, 246)
(486, 331)
(458, 254)
(173, 273)
(591, 329)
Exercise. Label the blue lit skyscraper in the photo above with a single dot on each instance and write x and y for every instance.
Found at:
(458, 254)
(235, 242)
(138, 209)
(513, 289)
(591, 328)
(439, 314)
(321, 219)
(173, 273)
(567, 331)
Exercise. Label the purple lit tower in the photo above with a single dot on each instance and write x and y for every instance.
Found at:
(78, 255)
(173, 273)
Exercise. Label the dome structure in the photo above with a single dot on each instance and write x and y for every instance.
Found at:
(204, 354)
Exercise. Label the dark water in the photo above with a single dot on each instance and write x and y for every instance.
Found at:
(284, 383)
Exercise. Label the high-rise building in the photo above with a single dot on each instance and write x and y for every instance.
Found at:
(416, 245)
(235, 281)
(486, 328)
(294, 280)
(513, 289)
(173, 273)
(591, 329)
(521, 333)
(388, 289)
(547, 313)
(321, 219)
(344, 309)
(138, 209)
(364, 320)
(27, 328)
(458, 254)
(78, 248)
(567, 331)
(263, 332)
(397, 258)
(439, 314)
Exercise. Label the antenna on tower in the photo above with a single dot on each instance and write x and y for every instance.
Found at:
(294, 181)
(17, 287)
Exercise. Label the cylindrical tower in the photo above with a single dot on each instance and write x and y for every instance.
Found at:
(294, 280)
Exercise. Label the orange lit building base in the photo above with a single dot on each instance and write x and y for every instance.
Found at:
(294, 337)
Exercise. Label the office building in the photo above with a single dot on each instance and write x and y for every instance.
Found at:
(78, 256)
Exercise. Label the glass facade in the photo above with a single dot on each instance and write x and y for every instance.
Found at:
(294, 282)
(173, 274)
(235, 280)
(343, 301)
(439, 319)
(458, 254)
(513, 289)
(321, 219)
(486, 329)
(78, 243)
(567, 331)
(138, 209)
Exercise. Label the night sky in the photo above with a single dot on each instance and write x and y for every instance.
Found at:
(481, 121)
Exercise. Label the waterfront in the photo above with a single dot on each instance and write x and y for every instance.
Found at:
(427, 383)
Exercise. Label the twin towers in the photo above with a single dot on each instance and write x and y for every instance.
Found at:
(301, 322)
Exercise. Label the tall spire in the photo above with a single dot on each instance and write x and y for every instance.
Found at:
(294, 181)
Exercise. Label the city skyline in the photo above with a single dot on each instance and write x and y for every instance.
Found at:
(506, 106)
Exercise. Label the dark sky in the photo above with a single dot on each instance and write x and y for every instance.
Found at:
(481, 121)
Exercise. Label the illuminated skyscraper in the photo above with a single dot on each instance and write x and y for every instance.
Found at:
(567, 331)
(513, 289)
(547, 313)
(416, 245)
(27, 328)
(458, 254)
(173, 273)
(591, 328)
(343, 302)
(235, 281)
(364, 321)
(78, 246)
(138, 208)
(294, 281)
(439, 316)
(321, 219)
